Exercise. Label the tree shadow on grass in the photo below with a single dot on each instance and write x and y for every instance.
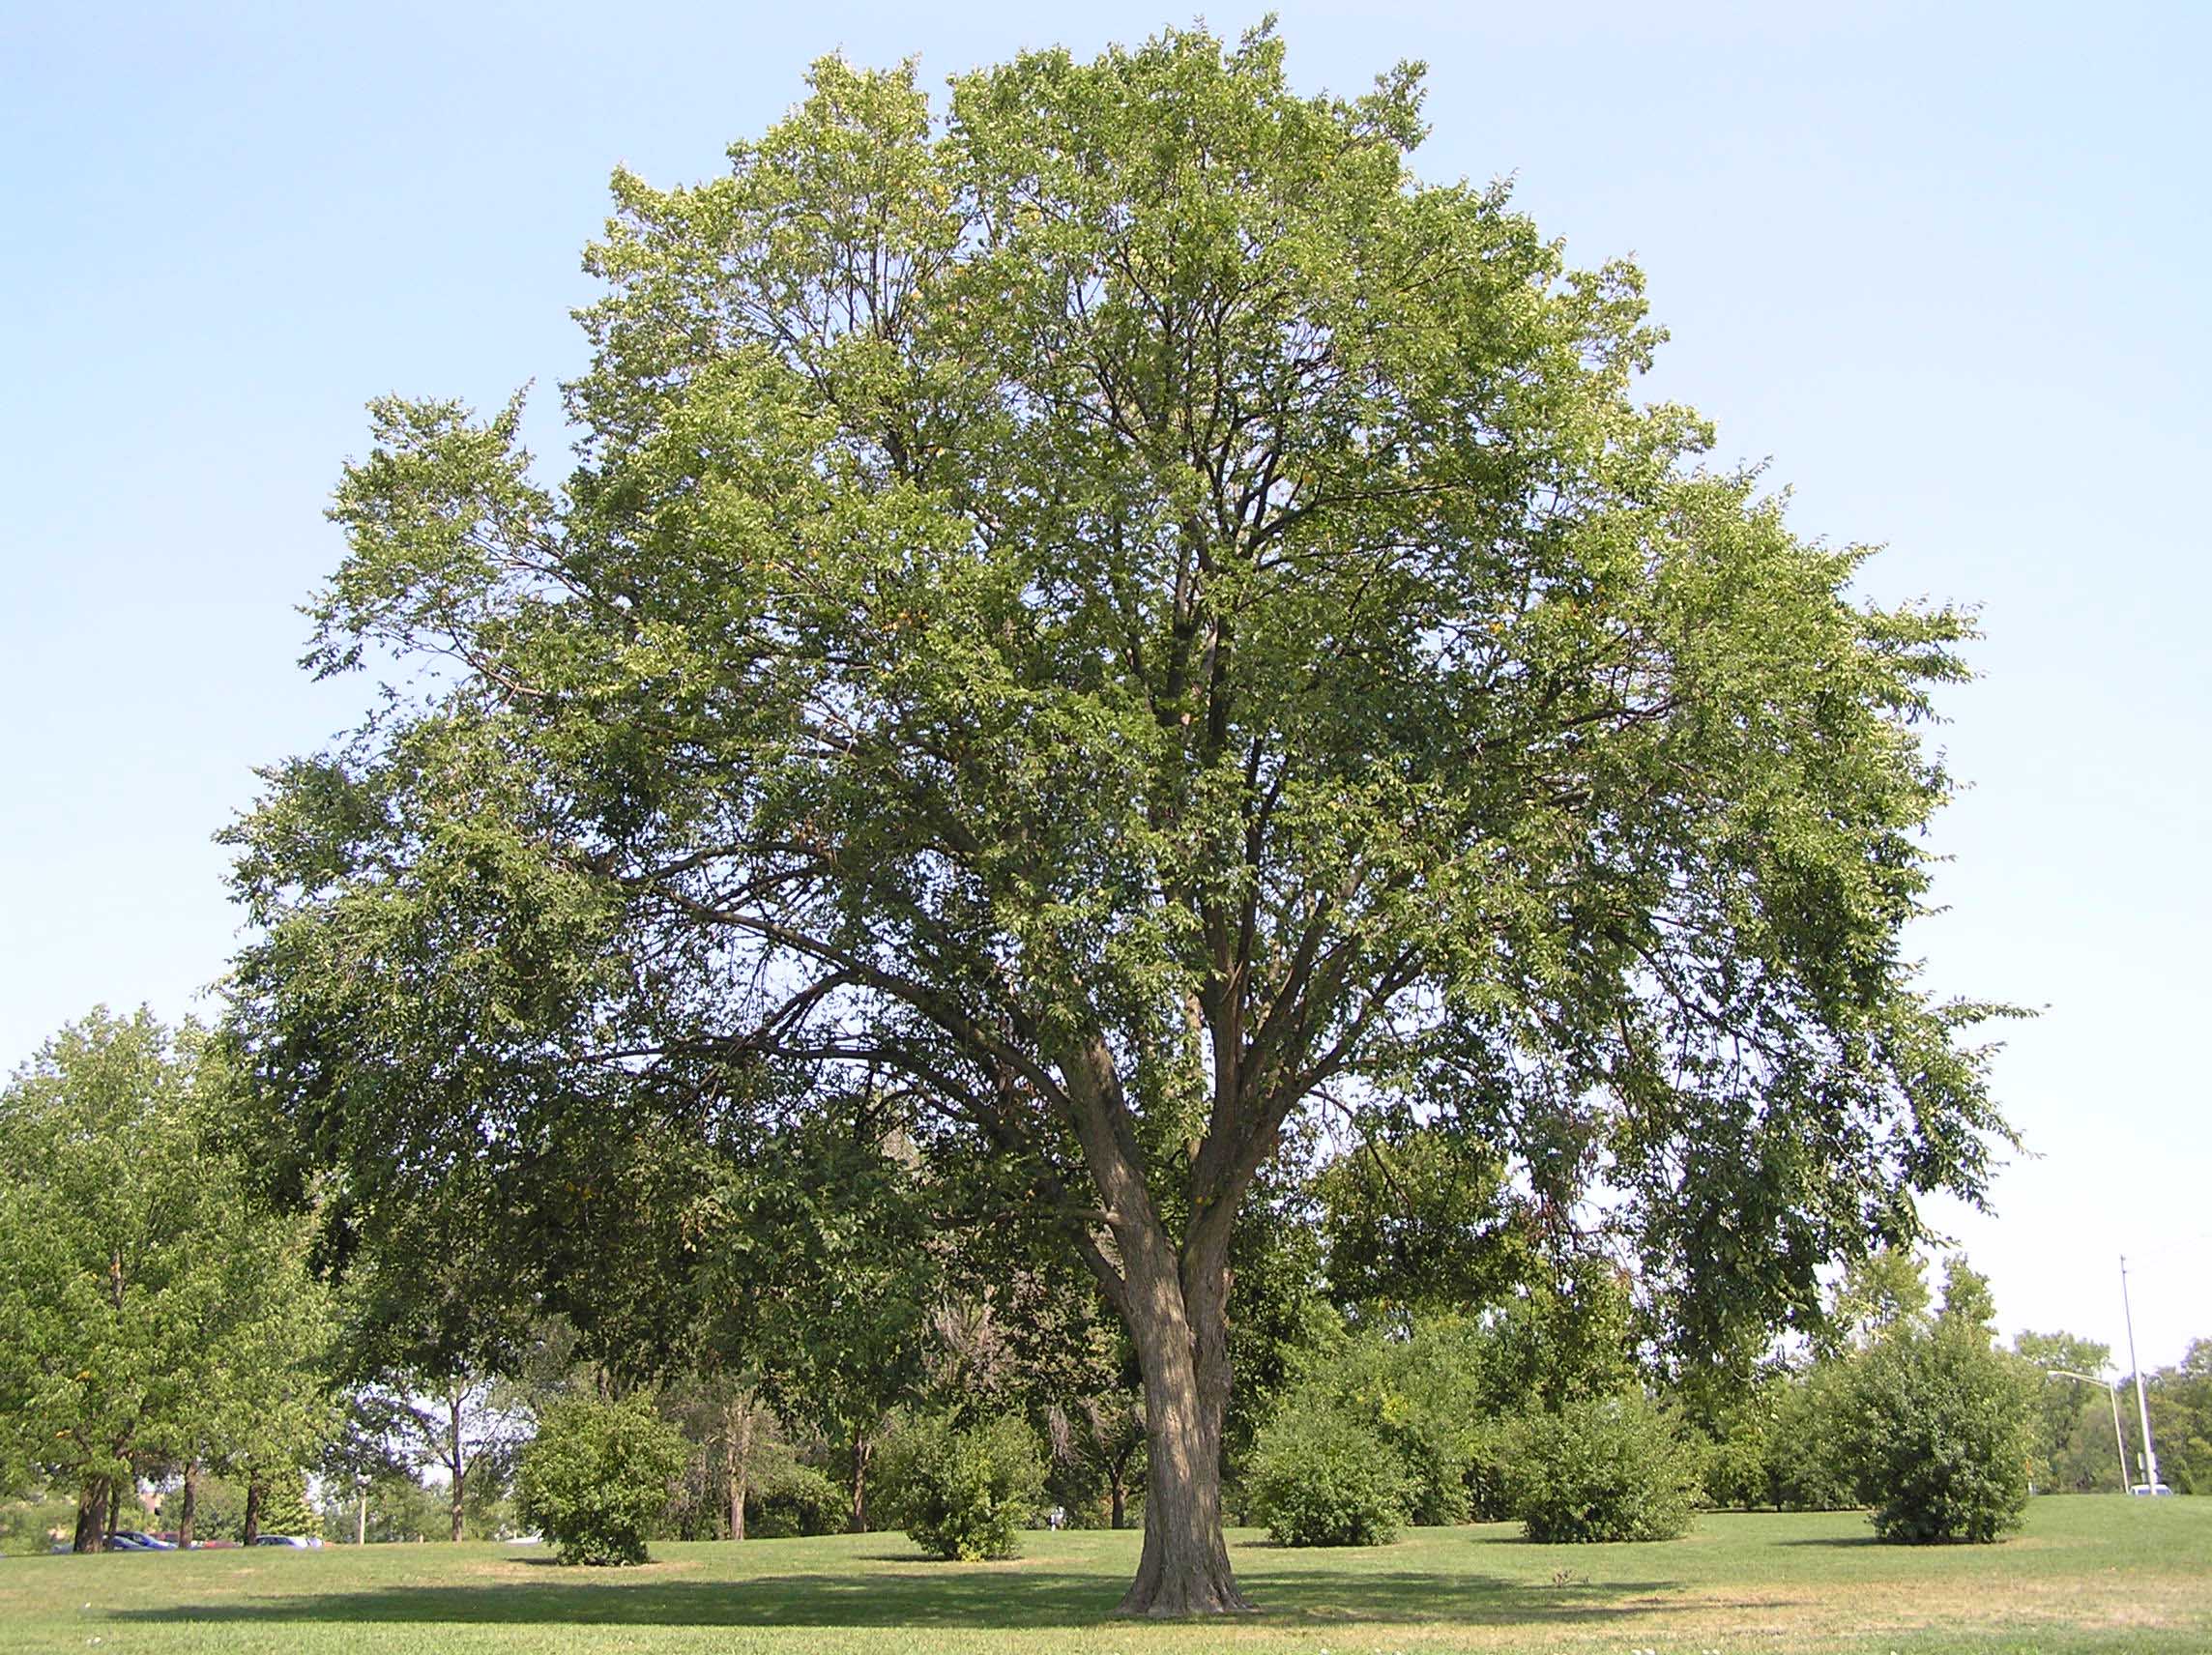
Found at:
(1013, 1598)
(1849, 1542)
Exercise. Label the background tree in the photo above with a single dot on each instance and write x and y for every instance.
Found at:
(726, 1418)
(1886, 1289)
(2181, 1420)
(1083, 1390)
(151, 1314)
(2077, 1449)
(826, 1277)
(399, 1509)
(466, 1425)
(1129, 612)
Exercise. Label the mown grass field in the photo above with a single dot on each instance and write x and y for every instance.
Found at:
(2089, 1574)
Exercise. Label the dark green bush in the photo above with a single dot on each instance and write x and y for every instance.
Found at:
(596, 1478)
(793, 1500)
(1804, 1467)
(962, 1490)
(1605, 1468)
(1935, 1431)
(1321, 1476)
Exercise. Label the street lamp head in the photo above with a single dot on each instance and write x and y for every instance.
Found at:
(2070, 1374)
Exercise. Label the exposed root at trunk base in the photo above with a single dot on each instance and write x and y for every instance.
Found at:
(1188, 1604)
(1182, 1587)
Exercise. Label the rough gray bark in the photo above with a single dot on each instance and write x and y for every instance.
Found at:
(1183, 1344)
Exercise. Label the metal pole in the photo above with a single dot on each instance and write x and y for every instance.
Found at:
(2142, 1400)
(2112, 1395)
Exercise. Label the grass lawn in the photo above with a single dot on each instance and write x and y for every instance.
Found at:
(2101, 1574)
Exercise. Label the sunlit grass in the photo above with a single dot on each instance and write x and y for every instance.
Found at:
(2089, 1574)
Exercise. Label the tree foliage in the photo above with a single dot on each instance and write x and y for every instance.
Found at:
(1421, 1220)
(1115, 606)
(2181, 1420)
(2078, 1447)
(1418, 1399)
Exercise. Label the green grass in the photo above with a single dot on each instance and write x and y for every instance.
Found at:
(2089, 1574)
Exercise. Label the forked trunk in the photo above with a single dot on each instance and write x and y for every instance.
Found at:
(1175, 1301)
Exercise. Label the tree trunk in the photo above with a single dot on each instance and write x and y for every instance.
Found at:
(91, 1517)
(454, 1461)
(1118, 1482)
(737, 1454)
(1179, 1318)
(861, 1447)
(114, 1508)
(253, 1492)
(188, 1516)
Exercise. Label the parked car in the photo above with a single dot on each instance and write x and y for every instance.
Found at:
(2150, 1489)
(137, 1540)
(303, 1542)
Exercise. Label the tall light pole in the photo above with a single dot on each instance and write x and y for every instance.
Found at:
(2112, 1395)
(2142, 1400)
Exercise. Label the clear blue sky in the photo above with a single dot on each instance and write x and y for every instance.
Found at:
(1945, 266)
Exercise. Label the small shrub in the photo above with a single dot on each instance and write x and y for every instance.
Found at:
(961, 1491)
(1320, 1476)
(1934, 1430)
(596, 1478)
(1606, 1468)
